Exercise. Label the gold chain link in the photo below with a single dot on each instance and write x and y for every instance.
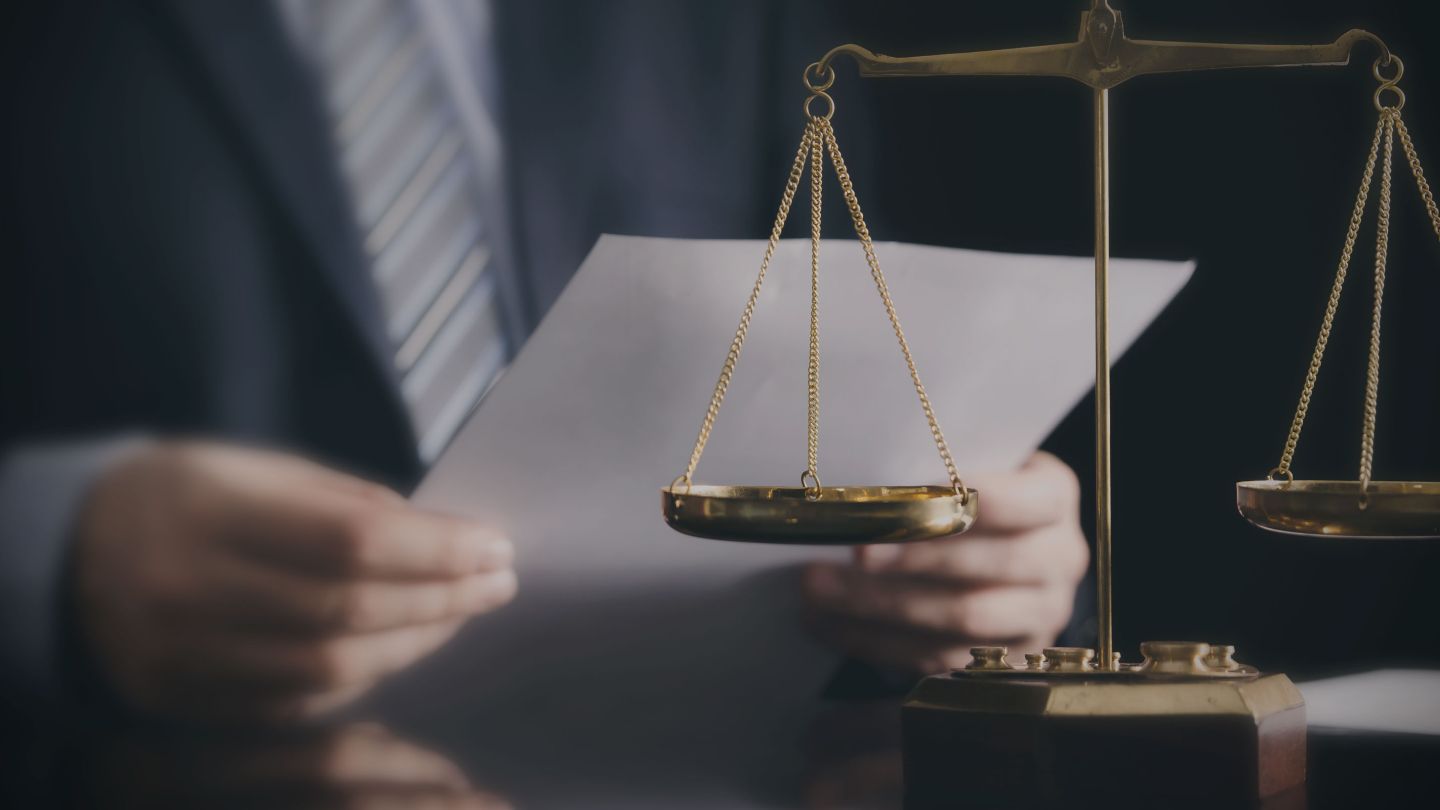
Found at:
(728, 370)
(1306, 391)
(1386, 129)
(1372, 370)
(819, 138)
(810, 478)
(863, 232)
(1420, 181)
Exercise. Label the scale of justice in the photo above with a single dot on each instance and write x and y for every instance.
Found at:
(1188, 721)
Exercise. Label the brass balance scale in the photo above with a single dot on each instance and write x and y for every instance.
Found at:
(1070, 699)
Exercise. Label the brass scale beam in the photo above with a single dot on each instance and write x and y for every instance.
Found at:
(1102, 58)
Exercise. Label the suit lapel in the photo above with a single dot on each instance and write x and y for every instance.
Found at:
(267, 96)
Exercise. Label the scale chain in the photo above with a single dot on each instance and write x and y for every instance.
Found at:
(727, 371)
(1372, 370)
(811, 477)
(863, 233)
(819, 138)
(1387, 128)
(1414, 159)
(1331, 306)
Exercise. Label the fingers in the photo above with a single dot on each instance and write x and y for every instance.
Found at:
(266, 681)
(346, 661)
(1042, 492)
(251, 594)
(1051, 554)
(286, 675)
(935, 606)
(340, 536)
(407, 542)
(190, 557)
(1028, 532)
(289, 509)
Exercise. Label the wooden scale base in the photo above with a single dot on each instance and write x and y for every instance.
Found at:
(1188, 727)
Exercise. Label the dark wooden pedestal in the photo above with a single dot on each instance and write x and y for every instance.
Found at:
(976, 742)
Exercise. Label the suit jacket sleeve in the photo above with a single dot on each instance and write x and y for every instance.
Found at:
(42, 490)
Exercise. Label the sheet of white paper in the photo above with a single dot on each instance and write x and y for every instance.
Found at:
(1395, 701)
(668, 671)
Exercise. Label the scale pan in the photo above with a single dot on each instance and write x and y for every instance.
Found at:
(841, 516)
(1395, 509)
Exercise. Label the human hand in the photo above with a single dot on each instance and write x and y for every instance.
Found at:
(1010, 580)
(220, 583)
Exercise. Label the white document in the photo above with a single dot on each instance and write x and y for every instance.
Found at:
(1394, 701)
(640, 667)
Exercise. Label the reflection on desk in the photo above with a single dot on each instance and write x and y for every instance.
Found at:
(359, 765)
(851, 753)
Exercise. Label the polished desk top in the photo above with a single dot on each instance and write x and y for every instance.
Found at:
(849, 759)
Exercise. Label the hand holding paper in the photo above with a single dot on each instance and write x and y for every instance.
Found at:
(1010, 579)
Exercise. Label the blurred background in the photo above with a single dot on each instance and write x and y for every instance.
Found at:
(127, 165)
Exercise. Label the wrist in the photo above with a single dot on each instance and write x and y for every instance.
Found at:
(43, 491)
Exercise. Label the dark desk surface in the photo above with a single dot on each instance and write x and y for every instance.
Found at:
(849, 761)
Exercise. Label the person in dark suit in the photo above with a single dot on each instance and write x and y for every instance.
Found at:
(263, 259)
(187, 270)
